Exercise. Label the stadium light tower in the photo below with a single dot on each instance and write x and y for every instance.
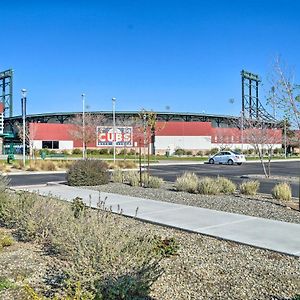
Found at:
(23, 102)
(114, 126)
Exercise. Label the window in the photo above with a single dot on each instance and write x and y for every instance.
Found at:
(50, 144)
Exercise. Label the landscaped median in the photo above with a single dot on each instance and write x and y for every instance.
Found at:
(71, 250)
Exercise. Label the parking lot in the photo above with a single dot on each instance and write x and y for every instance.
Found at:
(280, 170)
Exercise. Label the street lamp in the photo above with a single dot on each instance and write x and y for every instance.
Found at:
(23, 102)
(83, 126)
(114, 126)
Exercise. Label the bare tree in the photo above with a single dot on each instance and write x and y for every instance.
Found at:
(285, 93)
(87, 133)
(264, 138)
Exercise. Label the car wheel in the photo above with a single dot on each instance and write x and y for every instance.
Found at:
(211, 161)
(230, 162)
(239, 164)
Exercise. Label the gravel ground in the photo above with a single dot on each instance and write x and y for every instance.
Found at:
(204, 268)
(258, 206)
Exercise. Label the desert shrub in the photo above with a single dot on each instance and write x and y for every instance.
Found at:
(151, 181)
(208, 186)
(188, 182)
(282, 191)
(96, 249)
(189, 152)
(179, 152)
(165, 247)
(78, 207)
(155, 182)
(18, 164)
(129, 164)
(213, 151)
(226, 185)
(133, 178)
(77, 151)
(118, 176)
(249, 187)
(88, 172)
(6, 241)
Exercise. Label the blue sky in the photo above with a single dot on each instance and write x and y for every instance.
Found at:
(186, 55)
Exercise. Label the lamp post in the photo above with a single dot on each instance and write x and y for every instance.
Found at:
(83, 126)
(242, 130)
(114, 126)
(23, 102)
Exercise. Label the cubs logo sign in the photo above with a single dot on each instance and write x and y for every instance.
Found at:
(123, 136)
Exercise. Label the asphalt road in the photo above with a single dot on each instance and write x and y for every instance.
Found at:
(171, 172)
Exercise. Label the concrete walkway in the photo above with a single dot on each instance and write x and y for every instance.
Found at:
(263, 233)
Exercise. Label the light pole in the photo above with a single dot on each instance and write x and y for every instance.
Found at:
(114, 126)
(83, 126)
(242, 130)
(23, 102)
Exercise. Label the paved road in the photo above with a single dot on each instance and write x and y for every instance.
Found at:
(171, 172)
(285, 169)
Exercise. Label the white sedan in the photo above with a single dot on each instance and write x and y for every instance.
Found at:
(227, 157)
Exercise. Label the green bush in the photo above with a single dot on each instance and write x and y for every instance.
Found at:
(208, 186)
(165, 247)
(249, 187)
(179, 152)
(226, 186)
(188, 182)
(88, 172)
(77, 151)
(282, 191)
(103, 151)
(189, 152)
(78, 207)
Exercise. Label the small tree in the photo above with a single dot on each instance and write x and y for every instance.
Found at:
(285, 93)
(87, 133)
(263, 137)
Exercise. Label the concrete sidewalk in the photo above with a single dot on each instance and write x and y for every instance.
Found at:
(263, 233)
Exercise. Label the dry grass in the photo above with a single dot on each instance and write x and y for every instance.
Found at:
(94, 248)
(208, 186)
(188, 182)
(249, 187)
(122, 164)
(226, 185)
(282, 191)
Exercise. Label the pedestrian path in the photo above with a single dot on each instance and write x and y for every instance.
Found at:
(263, 233)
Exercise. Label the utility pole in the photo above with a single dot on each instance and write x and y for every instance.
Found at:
(114, 127)
(83, 126)
(23, 101)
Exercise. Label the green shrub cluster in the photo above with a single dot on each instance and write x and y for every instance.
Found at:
(165, 247)
(282, 191)
(110, 259)
(208, 186)
(77, 151)
(249, 187)
(88, 172)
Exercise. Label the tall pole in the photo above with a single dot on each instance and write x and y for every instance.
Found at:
(285, 141)
(23, 101)
(83, 126)
(242, 130)
(114, 126)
